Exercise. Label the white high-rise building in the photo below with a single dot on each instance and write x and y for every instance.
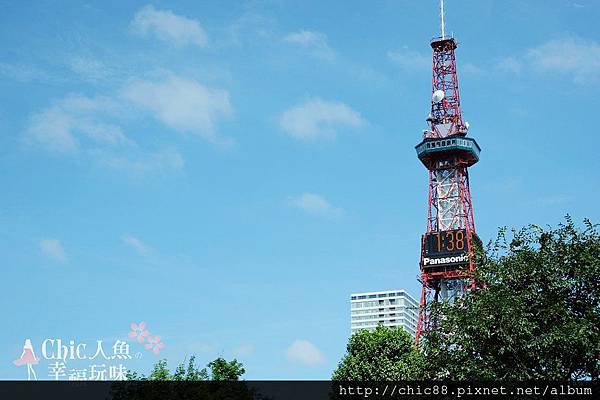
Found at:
(389, 308)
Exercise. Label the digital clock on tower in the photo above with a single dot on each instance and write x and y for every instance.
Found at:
(446, 242)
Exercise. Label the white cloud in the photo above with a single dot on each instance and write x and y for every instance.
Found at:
(574, 57)
(244, 350)
(553, 200)
(304, 352)
(136, 244)
(63, 126)
(202, 347)
(410, 59)
(28, 73)
(53, 249)
(250, 27)
(306, 38)
(315, 204)
(182, 104)
(79, 104)
(52, 129)
(91, 69)
(169, 27)
(144, 163)
(510, 64)
(317, 118)
(472, 69)
(84, 125)
(314, 41)
(508, 185)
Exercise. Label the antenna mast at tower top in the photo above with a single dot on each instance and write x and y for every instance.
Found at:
(442, 17)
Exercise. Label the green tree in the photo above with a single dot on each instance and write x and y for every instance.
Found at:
(224, 382)
(382, 354)
(221, 370)
(191, 373)
(536, 317)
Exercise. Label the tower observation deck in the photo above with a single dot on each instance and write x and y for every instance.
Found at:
(446, 266)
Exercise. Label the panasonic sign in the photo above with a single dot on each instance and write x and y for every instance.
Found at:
(428, 262)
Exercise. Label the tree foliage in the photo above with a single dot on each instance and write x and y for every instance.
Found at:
(191, 373)
(188, 382)
(220, 370)
(382, 354)
(536, 317)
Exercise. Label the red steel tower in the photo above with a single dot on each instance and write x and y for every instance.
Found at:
(446, 267)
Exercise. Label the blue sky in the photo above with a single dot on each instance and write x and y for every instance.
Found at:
(229, 172)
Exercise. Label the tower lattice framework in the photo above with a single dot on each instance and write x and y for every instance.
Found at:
(446, 266)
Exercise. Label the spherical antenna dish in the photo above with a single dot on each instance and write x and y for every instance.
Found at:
(438, 96)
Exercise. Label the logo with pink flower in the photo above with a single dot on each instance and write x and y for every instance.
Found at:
(140, 333)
